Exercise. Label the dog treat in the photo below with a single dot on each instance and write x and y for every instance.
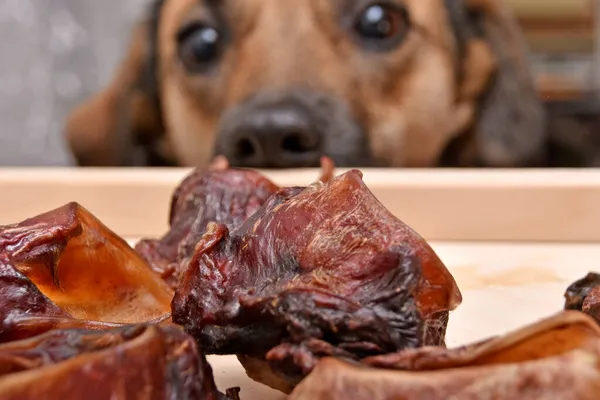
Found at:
(141, 362)
(579, 290)
(557, 358)
(26, 312)
(591, 304)
(584, 295)
(220, 194)
(65, 269)
(318, 271)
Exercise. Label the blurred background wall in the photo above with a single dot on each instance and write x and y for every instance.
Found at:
(55, 53)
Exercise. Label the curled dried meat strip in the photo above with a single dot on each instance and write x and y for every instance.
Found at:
(135, 362)
(222, 195)
(557, 358)
(579, 290)
(64, 268)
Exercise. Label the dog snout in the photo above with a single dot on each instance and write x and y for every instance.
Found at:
(275, 136)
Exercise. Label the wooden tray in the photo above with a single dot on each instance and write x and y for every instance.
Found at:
(467, 205)
(514, 240)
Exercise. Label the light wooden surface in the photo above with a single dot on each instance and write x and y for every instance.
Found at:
(504, 287)
(468, 205)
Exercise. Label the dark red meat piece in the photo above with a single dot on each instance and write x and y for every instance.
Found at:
(317, 271)
(71, 294)
(220, 194)
(584, 295)
(223, 195)
(136, 362)
(555, 358)
(65, 269)
(591, 304)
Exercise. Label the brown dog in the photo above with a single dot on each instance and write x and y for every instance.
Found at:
(272, 83)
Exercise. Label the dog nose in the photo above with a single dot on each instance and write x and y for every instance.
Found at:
(273, 137)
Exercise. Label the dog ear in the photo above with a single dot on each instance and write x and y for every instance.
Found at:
(510, 129)
(112, 127)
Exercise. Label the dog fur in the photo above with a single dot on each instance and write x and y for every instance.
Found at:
(457, 91)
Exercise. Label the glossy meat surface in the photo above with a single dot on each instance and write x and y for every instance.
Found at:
(584, 295)
(65, 269)
(317, 271)
(579, 290)
(21, 300)
(135, 362)
(591, 304)
(557, 358)
(220, 194)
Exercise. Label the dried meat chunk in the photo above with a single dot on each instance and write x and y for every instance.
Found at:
(221, 195)
(579, 290)
(557, 358)
(317, 271)
(64, 268)
(584, 295)
(134, 362)
(591, 304)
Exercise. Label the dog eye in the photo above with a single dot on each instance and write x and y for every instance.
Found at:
(199, 47)
(381, 22)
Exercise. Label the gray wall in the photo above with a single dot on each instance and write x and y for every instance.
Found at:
(53, 54)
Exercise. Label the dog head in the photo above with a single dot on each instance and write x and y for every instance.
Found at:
(271, 83)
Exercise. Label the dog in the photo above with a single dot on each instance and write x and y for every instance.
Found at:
(278, 84)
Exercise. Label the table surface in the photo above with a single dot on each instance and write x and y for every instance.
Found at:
(504, 287)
